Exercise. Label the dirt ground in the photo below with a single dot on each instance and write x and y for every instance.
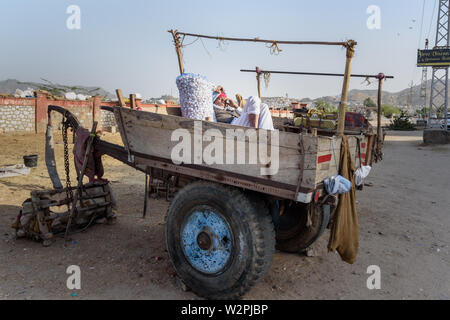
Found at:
(404, 222)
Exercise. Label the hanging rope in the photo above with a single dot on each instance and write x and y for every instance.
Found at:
(274, 49)
(185, 45)
(266, 76)
(222, 44)
(366, 80)
(204, 47)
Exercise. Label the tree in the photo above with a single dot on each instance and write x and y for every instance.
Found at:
(423, 113)
(402, 123)
(388, 110)
(368, 103)
(324, 106)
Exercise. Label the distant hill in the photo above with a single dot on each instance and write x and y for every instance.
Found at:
(397, 98)
(357, 97)
(9, 87)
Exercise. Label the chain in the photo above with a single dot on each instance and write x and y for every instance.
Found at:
(69, 193)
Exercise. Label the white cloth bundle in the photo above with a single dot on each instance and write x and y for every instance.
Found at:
(195, 96)
(254, 106)
(361, 174)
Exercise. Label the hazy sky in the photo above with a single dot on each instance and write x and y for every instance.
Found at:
(125, 44)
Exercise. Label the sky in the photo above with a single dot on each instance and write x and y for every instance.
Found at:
(125, 44)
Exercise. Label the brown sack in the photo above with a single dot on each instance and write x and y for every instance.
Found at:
(344, 231)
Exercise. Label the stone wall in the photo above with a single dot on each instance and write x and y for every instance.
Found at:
(108, 119)
(17, 118)
(81, 112)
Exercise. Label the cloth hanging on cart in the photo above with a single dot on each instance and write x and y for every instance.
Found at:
(94, 165)
(345, 231)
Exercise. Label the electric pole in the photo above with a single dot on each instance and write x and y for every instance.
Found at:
(439, 80)
(410, 96)
(423, 86)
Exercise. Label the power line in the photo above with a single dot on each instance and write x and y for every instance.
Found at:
(431, 21)
(414, 69)
(421, 25)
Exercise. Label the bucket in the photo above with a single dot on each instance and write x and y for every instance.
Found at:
(30, 161)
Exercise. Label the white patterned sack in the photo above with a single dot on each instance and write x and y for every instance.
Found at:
(195, 96)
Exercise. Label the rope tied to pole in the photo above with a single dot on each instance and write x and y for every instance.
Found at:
(274, 49)
(222, 44)
(381, 76)
(350, 46)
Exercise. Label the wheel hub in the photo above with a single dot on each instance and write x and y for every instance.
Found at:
(204, 240)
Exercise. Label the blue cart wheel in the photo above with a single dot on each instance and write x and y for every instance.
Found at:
(206, 240)
(220, 240)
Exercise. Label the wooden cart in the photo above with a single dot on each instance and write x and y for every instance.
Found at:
(226, 217)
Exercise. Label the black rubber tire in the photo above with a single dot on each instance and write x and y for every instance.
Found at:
(292, 233)
(253, 239)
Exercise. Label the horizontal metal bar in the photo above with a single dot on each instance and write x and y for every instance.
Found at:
(262, 40)
(318, 74)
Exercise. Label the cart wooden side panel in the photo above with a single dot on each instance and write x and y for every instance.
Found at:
(329, 151)
(152, 137)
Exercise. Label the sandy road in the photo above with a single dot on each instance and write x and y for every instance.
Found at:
(404, 229)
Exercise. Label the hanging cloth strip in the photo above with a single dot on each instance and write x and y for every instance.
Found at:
(345, 230)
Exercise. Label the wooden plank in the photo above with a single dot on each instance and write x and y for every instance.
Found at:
(132, 101)
(120, 97)
(121, 126)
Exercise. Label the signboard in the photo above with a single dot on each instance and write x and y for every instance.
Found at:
(433, 58)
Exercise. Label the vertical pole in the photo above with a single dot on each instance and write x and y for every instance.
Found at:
(132, 101)
(380, 84)
(176, 40)
(145, 194)
(431, 97)
(446, 100)
(120, 97)
(447, 5)
(258, 81)
(348, 66)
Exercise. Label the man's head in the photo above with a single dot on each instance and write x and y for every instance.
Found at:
(219, 98)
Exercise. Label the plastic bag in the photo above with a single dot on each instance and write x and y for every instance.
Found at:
(337, 184)
(361, 174)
